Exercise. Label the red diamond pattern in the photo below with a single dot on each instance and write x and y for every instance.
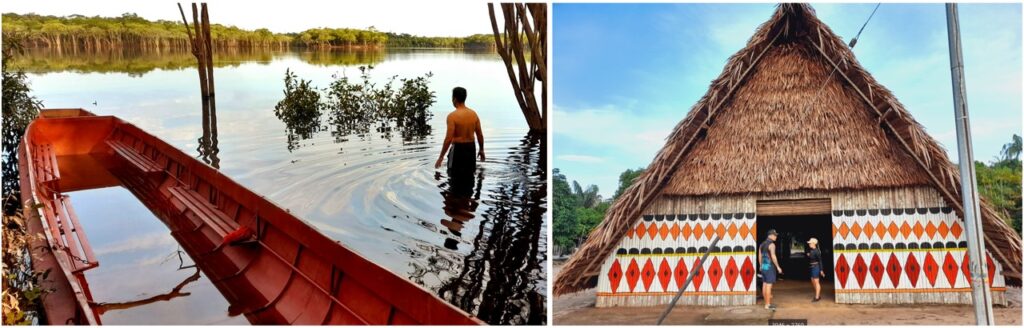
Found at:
(894, 270)
(913, 269)
(991, 269)
(877, 270)
(931, 269)
(615, 275)
(632, 274)
(731, 272)
(950, 268)
(681, 273)
(748, 273)
(664, 274)
(715, 273)
(698, 276)
(842, 270)
(860, 270)
(647, 275)
(965, 267)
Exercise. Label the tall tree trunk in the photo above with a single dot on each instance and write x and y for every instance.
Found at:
(529, 20)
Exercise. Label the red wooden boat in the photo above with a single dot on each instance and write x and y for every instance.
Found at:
(269, 265)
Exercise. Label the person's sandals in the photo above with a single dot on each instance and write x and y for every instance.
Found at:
(816, 299)
(770, 307)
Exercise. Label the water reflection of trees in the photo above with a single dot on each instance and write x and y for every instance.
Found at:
(137, 63)
(356, 108)
(501, 279)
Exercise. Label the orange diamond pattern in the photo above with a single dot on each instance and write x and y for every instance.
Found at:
(698, 231)
(943, 229)
(905, 230)
(640, 230)
(918, 230)
(674, 231)
(956, 230)
(652, 230)
(880, 230)
(856, 231)
(709, 231)
(686, 231)
(894, 231)
(721, 230)
(834, 229)
(844, 229)
(732, 230)
(744, 230)
(868, 230)
(930, 229)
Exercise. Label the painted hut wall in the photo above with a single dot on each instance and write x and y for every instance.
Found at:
(653, 259)
(910, 249)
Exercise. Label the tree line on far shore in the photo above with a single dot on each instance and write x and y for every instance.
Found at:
(577, 210)
(77, 32)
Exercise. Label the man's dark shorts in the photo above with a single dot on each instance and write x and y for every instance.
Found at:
(769, 276)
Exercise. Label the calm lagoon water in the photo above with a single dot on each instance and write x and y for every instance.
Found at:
(478, 242)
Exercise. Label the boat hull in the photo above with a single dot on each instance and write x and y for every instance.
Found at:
(278, 270)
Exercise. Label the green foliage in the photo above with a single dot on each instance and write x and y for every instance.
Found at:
(578, 210)
(299, 110)
(475, 41)
(19, 108)
(357, 107)
(1000, 182)
(131, 31)
(626, 180)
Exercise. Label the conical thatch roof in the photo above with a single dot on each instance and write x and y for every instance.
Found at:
(783, 117)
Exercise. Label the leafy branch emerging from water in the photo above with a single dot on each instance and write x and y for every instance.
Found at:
(356, 107)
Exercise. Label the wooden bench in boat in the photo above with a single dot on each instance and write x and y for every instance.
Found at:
(67, 231)
(45, 160)
(221, 223)
(140, 161)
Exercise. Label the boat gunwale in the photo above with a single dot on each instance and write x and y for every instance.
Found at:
(60, 255)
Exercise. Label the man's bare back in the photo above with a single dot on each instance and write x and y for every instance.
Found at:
(462, 125)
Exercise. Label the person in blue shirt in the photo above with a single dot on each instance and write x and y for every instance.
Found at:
(769, 266)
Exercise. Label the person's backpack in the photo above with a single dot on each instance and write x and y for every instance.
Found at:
(766, 262)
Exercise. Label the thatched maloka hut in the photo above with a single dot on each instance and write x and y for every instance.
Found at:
(793, 135)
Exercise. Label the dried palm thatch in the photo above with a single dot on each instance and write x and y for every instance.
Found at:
(791, 111)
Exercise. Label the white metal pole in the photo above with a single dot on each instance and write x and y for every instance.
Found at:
(968, 182)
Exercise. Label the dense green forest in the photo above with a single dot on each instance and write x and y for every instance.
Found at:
(577, 210)
(77, 32)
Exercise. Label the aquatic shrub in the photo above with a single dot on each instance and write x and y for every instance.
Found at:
(358, 106)
(299, 110)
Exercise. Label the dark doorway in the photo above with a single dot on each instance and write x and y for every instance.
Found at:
(791, 247)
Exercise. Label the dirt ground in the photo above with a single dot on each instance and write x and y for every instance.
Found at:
(794, 301)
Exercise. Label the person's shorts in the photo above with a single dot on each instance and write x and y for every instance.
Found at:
(815, 271)
(769, 276)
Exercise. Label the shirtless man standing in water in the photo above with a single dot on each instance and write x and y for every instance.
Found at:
(463, 125)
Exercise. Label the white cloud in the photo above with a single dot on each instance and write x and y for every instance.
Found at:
(581, 158)
(143, 242)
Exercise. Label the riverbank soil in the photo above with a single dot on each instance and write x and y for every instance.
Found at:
(794, 301)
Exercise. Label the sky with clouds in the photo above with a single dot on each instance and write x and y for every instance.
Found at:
(429, 18)
(625, 74)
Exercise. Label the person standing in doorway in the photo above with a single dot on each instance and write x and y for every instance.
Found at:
(814, 258)
(769, 266)
(463, 125)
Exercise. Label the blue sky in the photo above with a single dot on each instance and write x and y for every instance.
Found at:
(625, 74)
